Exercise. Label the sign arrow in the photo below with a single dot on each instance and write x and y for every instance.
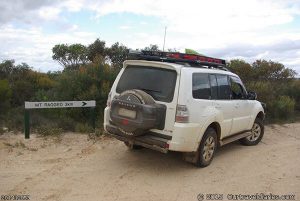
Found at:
(83, 103)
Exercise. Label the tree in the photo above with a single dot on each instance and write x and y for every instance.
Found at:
(117, 54)
(6, 68)
(70, 56)
(18, 82)
(243, 69)
(60, 52)
(151, 47)
(96, 48)
(272, 81)
(271, 70)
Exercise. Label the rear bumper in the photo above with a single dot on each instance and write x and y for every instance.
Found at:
(151, 140)
(185, 137)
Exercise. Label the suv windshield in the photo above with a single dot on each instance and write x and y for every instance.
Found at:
(158, 82)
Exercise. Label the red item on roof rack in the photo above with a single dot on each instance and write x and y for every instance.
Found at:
(193, 57)
(177, 57)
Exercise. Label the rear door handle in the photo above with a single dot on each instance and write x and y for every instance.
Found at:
(237, 105)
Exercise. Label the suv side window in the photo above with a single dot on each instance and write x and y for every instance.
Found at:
(237, 90)
(214, 86)
(224, 90)
(201, 87)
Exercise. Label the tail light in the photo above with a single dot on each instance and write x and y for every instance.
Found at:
(108, 102)
(182, 114)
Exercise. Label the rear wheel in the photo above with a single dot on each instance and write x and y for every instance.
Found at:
(207, 148)
(257, 133)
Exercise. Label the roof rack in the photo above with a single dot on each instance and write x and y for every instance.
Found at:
(192, 60)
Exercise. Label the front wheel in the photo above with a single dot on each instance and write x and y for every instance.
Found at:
(257, 133)
(207, 148)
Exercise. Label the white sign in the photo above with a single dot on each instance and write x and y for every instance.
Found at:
(59, 104)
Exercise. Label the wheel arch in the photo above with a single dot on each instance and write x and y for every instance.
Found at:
(260, 115)
(216, 126)
(213, 124)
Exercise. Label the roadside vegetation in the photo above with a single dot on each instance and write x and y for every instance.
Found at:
(274, 84)
(89, 72)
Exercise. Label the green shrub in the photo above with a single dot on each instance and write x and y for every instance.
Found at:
(83, 128)
(263, 89)
(66, 123)
(5, 95)
(293, 90)
(14, 119)
(274, 84)
(283, 107)
(49, 131)
(99, 131)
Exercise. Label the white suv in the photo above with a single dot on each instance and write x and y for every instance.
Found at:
(181, 102)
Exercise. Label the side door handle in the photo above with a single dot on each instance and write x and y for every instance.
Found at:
(237, 105)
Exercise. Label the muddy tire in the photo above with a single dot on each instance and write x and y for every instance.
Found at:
(257, 133)
(207, 148)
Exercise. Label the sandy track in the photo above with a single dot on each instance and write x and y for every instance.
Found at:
(75, 168)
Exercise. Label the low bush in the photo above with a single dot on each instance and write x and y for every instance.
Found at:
(83, 128)
(274, 84)
(282, 107)
(49, 131)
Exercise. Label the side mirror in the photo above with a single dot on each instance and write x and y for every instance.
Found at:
(252, 95)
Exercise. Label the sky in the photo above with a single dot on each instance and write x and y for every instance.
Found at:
(228, 29)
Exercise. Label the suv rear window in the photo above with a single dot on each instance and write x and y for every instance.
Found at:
(158, 82)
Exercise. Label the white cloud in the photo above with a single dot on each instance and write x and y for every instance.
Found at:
(74, 27)
(72, 5)
(210, 26)
(29, 11)
(248, 29)
(49, 13)
(214, 15)
(143, 23)
(125, 27)
(34, 47)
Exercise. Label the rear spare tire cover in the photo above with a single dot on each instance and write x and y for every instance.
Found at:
(134, 96)
(137, 96)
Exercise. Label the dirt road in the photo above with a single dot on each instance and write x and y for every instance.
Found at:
(76, 168)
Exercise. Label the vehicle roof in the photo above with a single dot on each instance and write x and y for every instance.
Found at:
(177, 66)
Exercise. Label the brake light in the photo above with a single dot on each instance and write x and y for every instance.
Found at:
(108, 102)
(182, 114)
